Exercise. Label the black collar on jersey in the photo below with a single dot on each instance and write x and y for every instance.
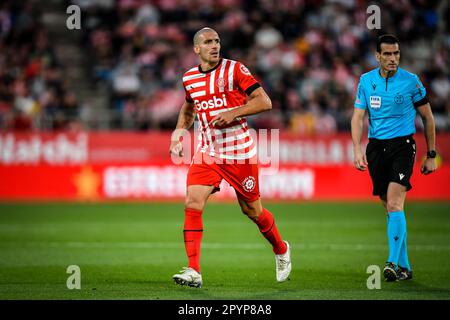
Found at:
(210, 70)
(388, 77)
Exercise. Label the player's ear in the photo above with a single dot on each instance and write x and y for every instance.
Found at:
(197, 49)
(377, 56)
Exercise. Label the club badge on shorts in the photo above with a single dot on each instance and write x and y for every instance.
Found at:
(249, 183)
(375, 102)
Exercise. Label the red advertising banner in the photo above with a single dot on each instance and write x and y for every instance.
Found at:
(137, 166)
(151, 147)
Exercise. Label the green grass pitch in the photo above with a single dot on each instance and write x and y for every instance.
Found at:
(131, 251)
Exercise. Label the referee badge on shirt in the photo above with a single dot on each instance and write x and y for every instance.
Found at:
(398, 98)
(375, 102)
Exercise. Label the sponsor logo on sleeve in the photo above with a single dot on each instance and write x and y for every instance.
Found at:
(244, 70)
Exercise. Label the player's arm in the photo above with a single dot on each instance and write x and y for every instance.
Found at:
(430, 136)
(258, 101)
(357, 126)
(185, 120)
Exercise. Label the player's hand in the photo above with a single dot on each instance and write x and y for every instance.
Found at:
(360, 161)
(222, 119)
(176, 148)
(428, 166)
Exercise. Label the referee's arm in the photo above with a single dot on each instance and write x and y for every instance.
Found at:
(357, 124)
(425, 113)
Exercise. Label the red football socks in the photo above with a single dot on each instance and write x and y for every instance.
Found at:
(268, 228)
(193, 232)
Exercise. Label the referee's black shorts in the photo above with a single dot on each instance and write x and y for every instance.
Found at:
(390, 160)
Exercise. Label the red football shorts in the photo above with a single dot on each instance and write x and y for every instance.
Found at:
(208, 171)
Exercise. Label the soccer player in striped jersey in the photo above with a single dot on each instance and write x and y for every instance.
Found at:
(221, 92)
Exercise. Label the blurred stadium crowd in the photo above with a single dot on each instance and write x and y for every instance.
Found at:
(308, 55)
(33, 90)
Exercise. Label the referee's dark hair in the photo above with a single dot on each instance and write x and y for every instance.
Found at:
(386, 38)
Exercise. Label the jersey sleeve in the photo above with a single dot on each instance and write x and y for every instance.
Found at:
(419, 95)
(360, 99)
(188, 96)
(244, 79)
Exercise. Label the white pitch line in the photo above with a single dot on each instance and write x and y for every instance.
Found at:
(214, 245)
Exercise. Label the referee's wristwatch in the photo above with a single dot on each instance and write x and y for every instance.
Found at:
(431, 154)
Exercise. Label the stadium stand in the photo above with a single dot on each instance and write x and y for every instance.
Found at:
(307, 54)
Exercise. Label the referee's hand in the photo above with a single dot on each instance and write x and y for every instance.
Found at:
(428, 166)
(360, 161)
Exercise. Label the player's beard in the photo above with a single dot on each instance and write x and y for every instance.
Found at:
(213, 59)
(207, 59)
(210, 58)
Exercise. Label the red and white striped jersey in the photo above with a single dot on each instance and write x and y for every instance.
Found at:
(222, 88)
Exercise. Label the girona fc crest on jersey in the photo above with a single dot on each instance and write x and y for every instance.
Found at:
(249, 183)
(221, 83)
